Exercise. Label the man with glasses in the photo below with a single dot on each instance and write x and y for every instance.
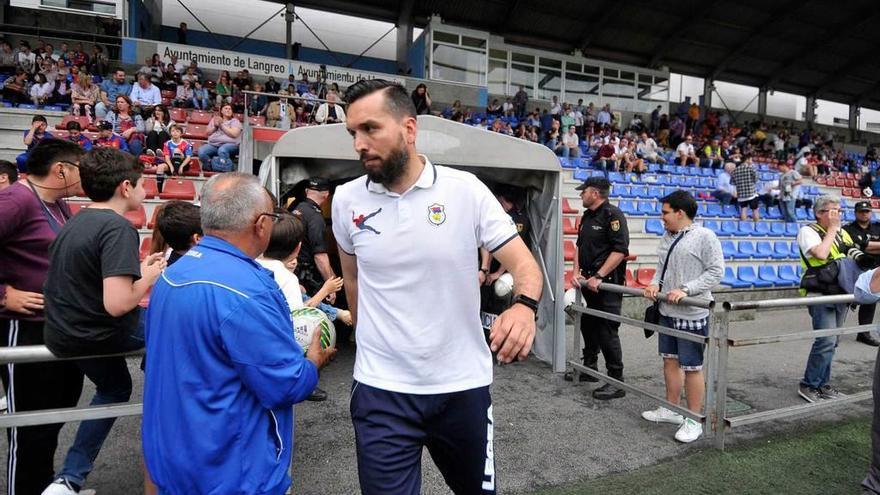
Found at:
(223, 367)
(685, 152)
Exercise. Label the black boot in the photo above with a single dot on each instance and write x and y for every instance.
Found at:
(867, 338)
(160, 181)
(318, 395)
(589, 362)
(608, 392)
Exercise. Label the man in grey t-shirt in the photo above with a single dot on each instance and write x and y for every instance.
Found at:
(789, 183)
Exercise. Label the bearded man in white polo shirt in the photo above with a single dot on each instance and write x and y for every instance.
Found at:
(408, 233)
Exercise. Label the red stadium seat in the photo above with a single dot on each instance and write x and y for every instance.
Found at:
(196, 131)
(60, 134)
(644, 276)
(167, 93)
(257, 120)
(194, 169)
(199, 117)
(83, 122)
(839, 182)
(152, 223)
(178, 115)
(151, 188)
(569, 250)
(178, 189)
(630, 280)
(145, 247)
(138, 217)
(568, 226)
(567, 209)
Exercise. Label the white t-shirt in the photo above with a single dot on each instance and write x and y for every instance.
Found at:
(286, 280)
(419, 329)
(807, 239)
(570, 139)
(684, 147)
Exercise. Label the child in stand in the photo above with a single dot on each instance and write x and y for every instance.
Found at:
(177, 155)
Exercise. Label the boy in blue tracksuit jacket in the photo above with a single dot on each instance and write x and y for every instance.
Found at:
(223, 371)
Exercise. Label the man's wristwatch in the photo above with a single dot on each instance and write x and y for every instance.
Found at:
(685, 290)
(528, 302)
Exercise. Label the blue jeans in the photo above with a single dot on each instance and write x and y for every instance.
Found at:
(818, 372)
(136, 147)
(572, 152)
(199, 104)
(112, 385)
(208, 151)
(789, 212)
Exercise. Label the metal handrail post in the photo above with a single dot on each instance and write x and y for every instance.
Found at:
(711, 373)
(721, 371)
(576, 344)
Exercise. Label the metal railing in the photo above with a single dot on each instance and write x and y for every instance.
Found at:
(719, 343)
(39, 354)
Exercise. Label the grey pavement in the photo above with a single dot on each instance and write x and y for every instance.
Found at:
(547, 431)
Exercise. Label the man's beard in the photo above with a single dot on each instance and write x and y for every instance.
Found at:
(391, 168)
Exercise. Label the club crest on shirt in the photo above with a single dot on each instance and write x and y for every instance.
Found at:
(615, 225)
(436, 214)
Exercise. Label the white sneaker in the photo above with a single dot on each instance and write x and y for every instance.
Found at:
(689, 431)
(663, 415)
(3, 404)
(61, 487)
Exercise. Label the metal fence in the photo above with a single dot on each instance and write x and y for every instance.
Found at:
(716, 364)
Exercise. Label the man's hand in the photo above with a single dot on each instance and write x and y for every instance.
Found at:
(512, 333)
(651, 292)
(834, 219)
(318, 355)
(481, 276)
(331, 298)
(21, 301)
(152, 267)
(492, 277)
(593, 284)
(675, 295)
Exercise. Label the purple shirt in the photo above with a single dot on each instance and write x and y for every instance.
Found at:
(25, 236)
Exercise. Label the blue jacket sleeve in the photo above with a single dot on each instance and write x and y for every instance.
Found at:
(259, 339)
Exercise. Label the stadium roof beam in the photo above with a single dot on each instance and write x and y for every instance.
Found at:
(678, 32)
(609, 8)
(365, 10)
(860, 59)
(511, 13)
(864, 96)
(779, 15)
(833, 34)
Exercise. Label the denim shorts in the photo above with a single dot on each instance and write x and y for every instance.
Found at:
(689, 354)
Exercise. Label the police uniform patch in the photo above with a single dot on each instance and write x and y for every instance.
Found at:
(436, 214)
(615, 225)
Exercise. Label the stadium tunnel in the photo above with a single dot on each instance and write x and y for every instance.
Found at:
(327, 151)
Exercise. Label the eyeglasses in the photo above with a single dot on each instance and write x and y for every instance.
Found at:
(826, 211)
(72, 164)
(275, 217)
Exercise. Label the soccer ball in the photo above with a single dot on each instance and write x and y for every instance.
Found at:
(569, 297)
(306, 321)
(504, 285)
(868, 192)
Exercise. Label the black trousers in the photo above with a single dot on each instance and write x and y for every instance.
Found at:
(156, 140)
(601, 334)
(866, 313)
(31, 387)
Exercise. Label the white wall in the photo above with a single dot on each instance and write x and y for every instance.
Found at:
(38, 4)
(340, 32)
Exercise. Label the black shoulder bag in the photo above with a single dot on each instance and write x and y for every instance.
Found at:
(652, 312)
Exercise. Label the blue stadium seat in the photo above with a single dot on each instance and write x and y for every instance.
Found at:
(648, 208)
(746, 228)
(763, 249)
(791, 229)
(762, 228)
(615, 177)
(679, 170)
(730, 211)
(693, 170)
(728, 248)
(27, 106)
(803, 214)
(781, 250)
(662, 180)
(745, 250)
(767, 273)
(690, 182)
(849, 215)
(777, 229)
(53, 108)
(789, 274)
(730, 280)
(773, 213)
(628, 207)
(639, 192)
(654, 226)
(795, 250)
(714, 210)
(674, 180)
(707, 182)
(707, 172)
(581, 174)
(620, 190)
(713, 225)
(655, 192)
(565, 163)
(577, 162)
(728, 228)
(747, 274)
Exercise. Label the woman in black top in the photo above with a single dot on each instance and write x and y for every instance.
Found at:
(421, 99)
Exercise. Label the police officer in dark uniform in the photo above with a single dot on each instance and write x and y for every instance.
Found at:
(313, 263)
(602, 246)
(864, 231)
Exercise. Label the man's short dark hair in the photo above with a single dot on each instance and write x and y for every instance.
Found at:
(287, 234)
(73, 125)
(681, 200)
(10, 170)
(39, 118)
(397, 100)
(177, 222)
(49, 152)
(103, 169)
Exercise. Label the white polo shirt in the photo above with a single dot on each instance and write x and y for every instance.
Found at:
(419, 328)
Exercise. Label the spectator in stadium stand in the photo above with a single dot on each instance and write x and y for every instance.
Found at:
(694, 265)
(170, 79)
(712, 155)
(181, 33)
(223, 89)
(725, 191)
(127, 124)
(84, 95)
(257, 103)
(240, 80)
(75, 135)
(15, 88)
(99, 62)
(422, 99)
(631, 160)
(220, 293)
(806, 167)
(109, 139)
(604, 118)
(34, 211)
(176, 155)
(684, 152)
(32, 137)
(280, 112)
(189, 74)
(144, 96)
(81, 58)
(224, 136)
(570, 143)
(554, 137)
(655, 119)
(290, 84)
(693, 117)
(647, 149)
(607, 159)
(41, 90)
(157, 130)
(26, 60)
(92, 296)
(865, 232)
(8, 176)
(820, 243)
(745, 179)
(663, 131)
(201, 100)
(602, 246)
(110, 89)
(7, 58)
(443, 396)
(555, 107)
(272, 86)
(183, 97)
(789, 189)
(520, 102)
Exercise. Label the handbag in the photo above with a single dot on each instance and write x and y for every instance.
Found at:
(652, 312)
